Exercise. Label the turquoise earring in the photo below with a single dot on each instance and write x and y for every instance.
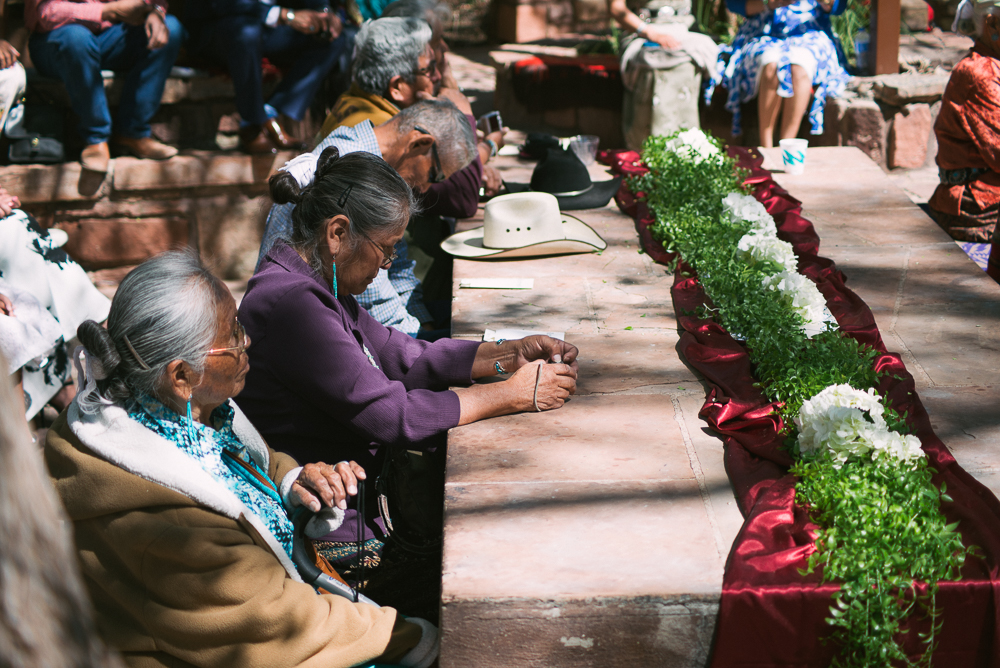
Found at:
(190, 425)
(334, 277)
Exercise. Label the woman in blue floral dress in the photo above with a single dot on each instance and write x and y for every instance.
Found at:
(784, 52)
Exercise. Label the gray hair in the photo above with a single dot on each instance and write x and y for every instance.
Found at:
(359, 185)
(165, 309)
(456, 141)
(387, 48)
(434, 12)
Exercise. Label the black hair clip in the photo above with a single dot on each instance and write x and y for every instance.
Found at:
(343, 198)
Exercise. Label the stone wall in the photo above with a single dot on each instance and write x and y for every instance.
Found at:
(215, 202)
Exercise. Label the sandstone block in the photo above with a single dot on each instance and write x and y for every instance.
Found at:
(908, 135)
(102, 244)
(912, 87)
(198, 169)
(65, 182)
(864, 126)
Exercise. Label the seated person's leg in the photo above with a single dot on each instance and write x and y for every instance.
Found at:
(309, 60)
(146, 73)
(804, 67)
(237, 42)
(768, 103)
(72, 54)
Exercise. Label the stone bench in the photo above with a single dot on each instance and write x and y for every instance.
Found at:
(596, 535)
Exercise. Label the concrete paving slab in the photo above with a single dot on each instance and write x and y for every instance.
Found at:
(672, 632)
(625, 361)
(625, 538)
(965, 418)
(889, 227)
(573, 444)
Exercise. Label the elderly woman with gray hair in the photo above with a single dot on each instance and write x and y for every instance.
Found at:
(327, 380)
(181, 511)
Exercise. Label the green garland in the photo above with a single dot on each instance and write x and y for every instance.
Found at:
(882, 529)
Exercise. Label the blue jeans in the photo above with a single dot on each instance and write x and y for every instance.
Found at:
(76, 56)
(241, 41)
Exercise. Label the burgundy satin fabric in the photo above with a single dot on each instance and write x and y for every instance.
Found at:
(769, 614)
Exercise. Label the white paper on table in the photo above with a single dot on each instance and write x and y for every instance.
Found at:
(509, 149)
(509, 334)
(498, 283)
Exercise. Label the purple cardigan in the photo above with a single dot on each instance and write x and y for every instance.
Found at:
(312, 390)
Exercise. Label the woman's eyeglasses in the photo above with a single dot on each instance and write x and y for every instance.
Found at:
(387, 258)
(241, 342)
(437, 172)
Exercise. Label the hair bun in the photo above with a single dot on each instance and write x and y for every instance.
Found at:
(284, 188)
(97, 342)
(327, 159)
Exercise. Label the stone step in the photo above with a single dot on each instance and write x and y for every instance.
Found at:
(210, 200)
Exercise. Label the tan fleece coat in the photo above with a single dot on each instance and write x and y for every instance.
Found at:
(177, 582)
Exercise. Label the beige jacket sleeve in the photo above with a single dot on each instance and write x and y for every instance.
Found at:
(216, 598)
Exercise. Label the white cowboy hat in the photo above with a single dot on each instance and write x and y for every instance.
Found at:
(524, 225)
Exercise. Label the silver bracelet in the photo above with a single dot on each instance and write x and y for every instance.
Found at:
(538, 379)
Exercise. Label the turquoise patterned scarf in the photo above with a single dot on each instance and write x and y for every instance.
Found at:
(216, 450)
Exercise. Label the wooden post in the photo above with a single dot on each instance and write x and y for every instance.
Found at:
(885, 37)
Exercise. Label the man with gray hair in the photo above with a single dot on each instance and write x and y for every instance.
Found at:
(393, 68)
(425, 143)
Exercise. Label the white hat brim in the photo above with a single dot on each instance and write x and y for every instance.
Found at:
(580, 238)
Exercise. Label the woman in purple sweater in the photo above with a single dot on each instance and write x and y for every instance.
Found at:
(327, 380)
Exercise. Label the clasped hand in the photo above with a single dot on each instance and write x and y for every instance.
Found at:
(558, 373)
(320, 485)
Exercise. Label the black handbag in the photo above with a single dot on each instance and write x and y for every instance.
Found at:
(45, 150)
(411, 499)
(35, 134)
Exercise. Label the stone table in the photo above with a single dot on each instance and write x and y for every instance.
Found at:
(596, 535)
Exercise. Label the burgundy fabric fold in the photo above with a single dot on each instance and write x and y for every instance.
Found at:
(769, 614)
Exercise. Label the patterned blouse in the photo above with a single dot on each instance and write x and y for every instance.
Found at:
(801, 25)
(216, 449)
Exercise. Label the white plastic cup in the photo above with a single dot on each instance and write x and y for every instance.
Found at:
(793, 154)
(585, 147)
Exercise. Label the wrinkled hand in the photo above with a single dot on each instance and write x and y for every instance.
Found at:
(662, 37)
(308, 22)
(547, 349)
(132, 12)
(6, 305)
(157, 32)
(321, 485)
(330, 25)
(556, 384)
(448, 79)
(8, 54)
(8, 202)
(492, 181)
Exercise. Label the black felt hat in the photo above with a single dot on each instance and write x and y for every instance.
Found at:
(562, 174)
(537, 144)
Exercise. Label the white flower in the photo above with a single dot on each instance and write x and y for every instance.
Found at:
(762, 248)
(694, 144)
(845, 422)
(804, 298)
(744, 208)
